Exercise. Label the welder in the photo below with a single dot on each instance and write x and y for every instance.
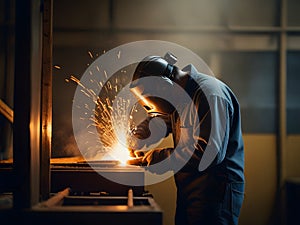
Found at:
(209, 191)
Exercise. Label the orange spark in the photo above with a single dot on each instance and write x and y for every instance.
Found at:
(90, 54)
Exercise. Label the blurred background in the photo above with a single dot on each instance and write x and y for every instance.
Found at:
(252, 45)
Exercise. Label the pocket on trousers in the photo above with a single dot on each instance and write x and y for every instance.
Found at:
(237, 197)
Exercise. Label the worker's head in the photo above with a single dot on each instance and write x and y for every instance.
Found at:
(154, 66)
(153, 77)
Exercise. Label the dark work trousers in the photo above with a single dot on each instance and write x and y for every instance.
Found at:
(208, 201)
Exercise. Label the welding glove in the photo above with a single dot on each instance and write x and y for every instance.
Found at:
(150, 157)
(156, 155)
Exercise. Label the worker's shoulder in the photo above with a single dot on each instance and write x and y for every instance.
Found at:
(214, 90)
(209, 84)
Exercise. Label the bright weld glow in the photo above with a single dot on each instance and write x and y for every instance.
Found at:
(120, 152)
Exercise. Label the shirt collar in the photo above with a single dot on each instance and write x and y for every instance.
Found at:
(190, 68)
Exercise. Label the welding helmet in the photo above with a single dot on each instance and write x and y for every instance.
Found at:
(159, 75)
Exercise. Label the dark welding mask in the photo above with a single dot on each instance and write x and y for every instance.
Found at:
(152, 79)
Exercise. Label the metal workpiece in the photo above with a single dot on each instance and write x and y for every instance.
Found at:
(97, 178)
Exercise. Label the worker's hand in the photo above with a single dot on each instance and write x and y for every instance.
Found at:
(156, 155)
(150, 157)
(137, 158)
(137, 162)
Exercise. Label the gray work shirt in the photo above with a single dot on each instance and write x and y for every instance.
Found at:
(217, 143)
